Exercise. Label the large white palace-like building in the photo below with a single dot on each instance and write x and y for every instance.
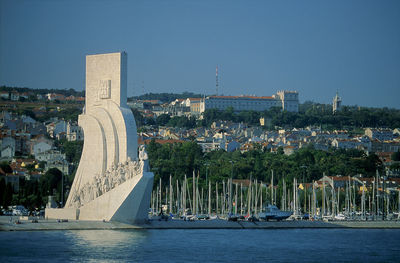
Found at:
(287, 100)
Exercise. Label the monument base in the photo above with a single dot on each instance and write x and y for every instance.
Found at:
(127, 203)
(62, 213)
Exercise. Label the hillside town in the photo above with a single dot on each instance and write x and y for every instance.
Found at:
(31, 146)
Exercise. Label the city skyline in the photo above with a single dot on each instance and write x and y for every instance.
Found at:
(260, 47)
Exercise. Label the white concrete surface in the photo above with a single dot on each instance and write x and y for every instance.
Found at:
(110, 182)
(48, 224)
(62, 213)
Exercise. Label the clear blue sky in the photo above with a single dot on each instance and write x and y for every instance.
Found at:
(314, 47)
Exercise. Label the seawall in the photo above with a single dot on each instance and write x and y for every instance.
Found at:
(43, 224)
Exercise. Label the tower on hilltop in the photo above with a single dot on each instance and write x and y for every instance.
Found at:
(337, 103)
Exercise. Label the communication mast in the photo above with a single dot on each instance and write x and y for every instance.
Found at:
(216, 80)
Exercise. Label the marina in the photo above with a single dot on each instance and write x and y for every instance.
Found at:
(332, 198)
(241, 204)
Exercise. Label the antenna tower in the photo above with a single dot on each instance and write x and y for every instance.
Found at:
(216, 80)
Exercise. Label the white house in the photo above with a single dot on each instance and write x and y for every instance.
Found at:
(50, 156)
(346, 144)
(7, 152)
(40, 147)
(74, 132)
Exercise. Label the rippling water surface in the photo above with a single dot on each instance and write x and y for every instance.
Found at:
(292, 245)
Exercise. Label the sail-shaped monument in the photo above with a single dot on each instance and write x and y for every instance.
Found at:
(113, 181)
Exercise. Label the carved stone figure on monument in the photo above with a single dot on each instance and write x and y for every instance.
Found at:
(144, 158)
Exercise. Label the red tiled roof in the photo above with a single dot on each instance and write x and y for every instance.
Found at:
(240, 97)
(160, 141)
(245, 182)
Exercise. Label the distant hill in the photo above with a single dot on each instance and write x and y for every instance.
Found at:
(64, 92)
(166, 97)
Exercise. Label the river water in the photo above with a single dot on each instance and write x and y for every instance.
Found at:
(280, 245)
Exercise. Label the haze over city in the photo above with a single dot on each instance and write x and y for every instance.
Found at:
(260, 47)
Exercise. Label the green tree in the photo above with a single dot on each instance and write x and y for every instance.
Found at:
(2, 190)
(396, 156)
(50, 182)
(138, 117)
(72, 150)
(8, 195)
(163, 119)
(182, 122)
(6, 167)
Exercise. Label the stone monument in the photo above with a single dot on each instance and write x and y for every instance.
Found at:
(112, 182)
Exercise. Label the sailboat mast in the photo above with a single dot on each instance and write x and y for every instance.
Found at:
(241, 199)
(236, 198)
(230, 196)
(249, 200)
(194, 193)
(284, 195)
(216, 198)
(261, 197)
(223, 197)
(294, 196)
(209, 198)
(323, 195)
(184, 194)
(178, 206)
(272, 187)
(170, 194)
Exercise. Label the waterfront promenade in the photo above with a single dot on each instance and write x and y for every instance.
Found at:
(43, 224)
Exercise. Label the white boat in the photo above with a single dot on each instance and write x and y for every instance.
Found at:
(273, 212)
(340, 217)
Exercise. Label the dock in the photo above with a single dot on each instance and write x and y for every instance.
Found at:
(42, 225)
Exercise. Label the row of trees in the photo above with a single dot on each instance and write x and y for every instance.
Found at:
(33, 194)
(179, 159)
(68, 112)
(165, 120)
(305, 164)
(65, 92)
(310, 114)
(166, 97)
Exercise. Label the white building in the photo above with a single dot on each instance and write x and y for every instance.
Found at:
(61, 165)
(239, 103)
(4, 95)
(54, 128)
(50, 156)
(346, 144)
(7, 152)
(14, 96)
(74, 132)
(40, 147)
(230, 146)
(379, 134)
(287, 100)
